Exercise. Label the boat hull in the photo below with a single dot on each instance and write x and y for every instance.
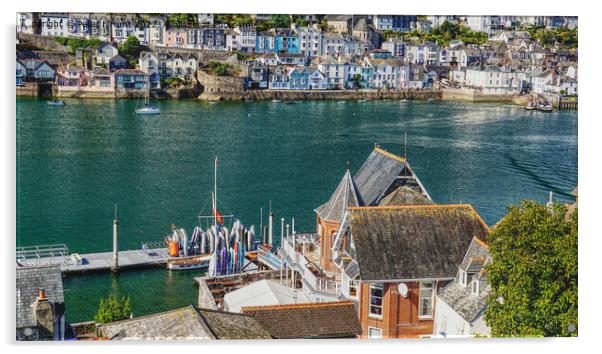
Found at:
(146, 111)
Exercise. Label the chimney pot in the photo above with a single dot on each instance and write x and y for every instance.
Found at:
(42, 294)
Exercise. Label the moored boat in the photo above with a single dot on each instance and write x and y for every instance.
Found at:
(189, 263)
(545, 107)
(56, 103)
(148, 109)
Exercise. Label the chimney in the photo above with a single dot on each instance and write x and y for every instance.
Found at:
(44, 316)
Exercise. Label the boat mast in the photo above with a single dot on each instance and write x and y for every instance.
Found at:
(215, 193)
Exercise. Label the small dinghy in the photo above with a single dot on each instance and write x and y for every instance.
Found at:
(275, 100)
(56, 103)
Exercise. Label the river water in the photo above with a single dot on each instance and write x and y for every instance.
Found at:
(75, 162)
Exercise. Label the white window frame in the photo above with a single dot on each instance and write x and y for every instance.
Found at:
(376, 315)
(432, 299)
(475, 287)
(463, 277)
(376, 329)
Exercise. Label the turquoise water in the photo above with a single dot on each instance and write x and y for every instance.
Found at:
(75, 162)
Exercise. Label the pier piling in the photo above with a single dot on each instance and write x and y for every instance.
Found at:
(115, 265)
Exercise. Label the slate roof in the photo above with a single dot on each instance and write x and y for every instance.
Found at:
(315, 320)
(29, 282)
(405, 195)
(227, 325)
(461, 298)
(413, 242)
(262, 293)
(377, 173)
(477, 254)
(185, 324)
(346, 195)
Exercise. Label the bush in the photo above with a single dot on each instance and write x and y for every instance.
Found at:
(220, 69)
(113, 309)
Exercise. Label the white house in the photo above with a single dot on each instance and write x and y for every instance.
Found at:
(105, 52)
(334, 70)
(333, 44)
(462, 303)
(493, 80)
(122, 27)
(395, 45)
(54, 24)
(483, 23)
(317, 80)
(540, 80)
(389, 73)
(310, 41)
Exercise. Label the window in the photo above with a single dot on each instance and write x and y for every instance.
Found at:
(462, 276)
(425, 302)
(376, 300)
(475, 287)
(375, 332)
(353, 288)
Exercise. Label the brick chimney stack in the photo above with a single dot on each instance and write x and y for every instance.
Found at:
(44, 315)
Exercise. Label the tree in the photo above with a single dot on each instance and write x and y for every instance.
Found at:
(113, 309)
(533, 275)
(280, 21)
(130, 50)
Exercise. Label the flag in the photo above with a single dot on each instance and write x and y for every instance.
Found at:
(218, 216)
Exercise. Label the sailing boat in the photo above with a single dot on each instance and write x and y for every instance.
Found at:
(147, 109)
(220, 248)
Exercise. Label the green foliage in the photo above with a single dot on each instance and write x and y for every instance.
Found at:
(181, 20)
(280, 21)
(130, 50)
(443, 34)
(113, 309)
(533, 275)
(549, 37)
(75, 43)
(220, 69)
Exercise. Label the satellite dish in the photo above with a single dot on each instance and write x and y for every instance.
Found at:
(403, 289)
(28, 332)
(28, 22)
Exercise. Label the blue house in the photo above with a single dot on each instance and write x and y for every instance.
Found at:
(117, 62)
(298, 78)
(287, 41)
(130, 79)
(265, 42)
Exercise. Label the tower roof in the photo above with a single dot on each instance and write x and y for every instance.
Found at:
(346, 195)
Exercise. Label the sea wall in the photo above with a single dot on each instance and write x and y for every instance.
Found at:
(216, 88)
(29, 89)
(217, 94)
(472, 95)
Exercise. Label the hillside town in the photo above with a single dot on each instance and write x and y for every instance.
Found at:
(489, 58)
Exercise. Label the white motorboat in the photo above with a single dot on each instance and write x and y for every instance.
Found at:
(56, 103)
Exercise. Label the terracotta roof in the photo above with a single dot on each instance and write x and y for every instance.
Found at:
(316, 320)
(413, 242)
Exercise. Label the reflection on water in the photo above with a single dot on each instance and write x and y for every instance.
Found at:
(75, 162)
